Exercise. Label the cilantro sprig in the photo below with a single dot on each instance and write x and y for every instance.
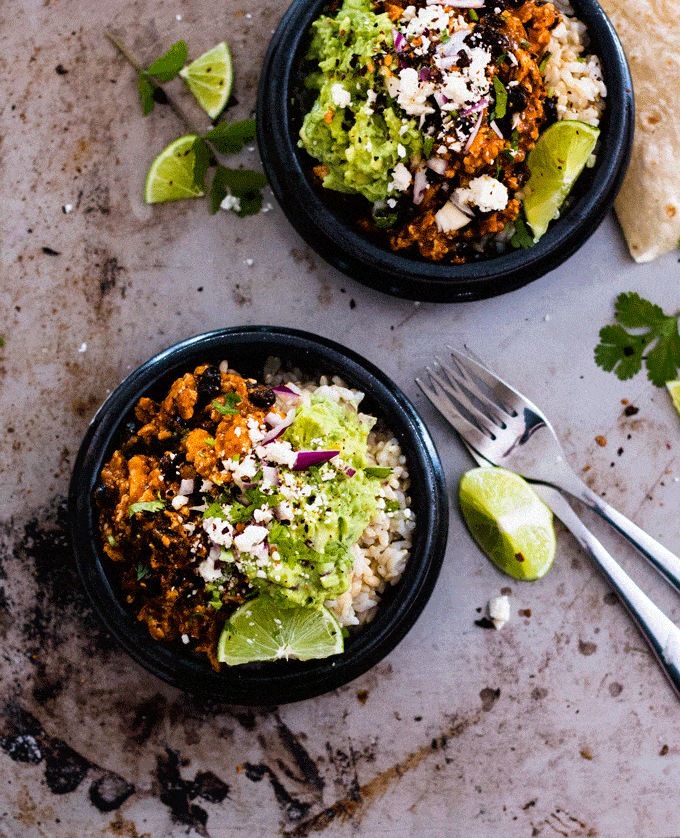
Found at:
(164, 69)
(244, 185)
(644, 334)
(229, 406)
(146, 506)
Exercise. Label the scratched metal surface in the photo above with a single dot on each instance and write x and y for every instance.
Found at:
(560, 724)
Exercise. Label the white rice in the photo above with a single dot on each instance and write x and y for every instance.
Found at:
(573, 76)
(381, 554)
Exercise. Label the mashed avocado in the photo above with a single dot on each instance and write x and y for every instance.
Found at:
(323, 509)
(353, 128)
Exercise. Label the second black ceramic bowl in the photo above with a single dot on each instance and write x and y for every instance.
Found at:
(331, 233)
(246, 349)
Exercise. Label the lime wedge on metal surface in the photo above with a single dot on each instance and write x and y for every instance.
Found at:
(555, 162)
(508, 521)
(209, 78)
(171, 175)
(262, 630)
(674, 390)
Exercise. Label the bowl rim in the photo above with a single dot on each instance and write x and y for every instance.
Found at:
(415, 278)
(295, 680)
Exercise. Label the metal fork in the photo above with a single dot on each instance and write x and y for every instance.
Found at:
(508, 430)
(662, 635)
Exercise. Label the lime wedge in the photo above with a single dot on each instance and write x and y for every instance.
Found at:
(171, 175)
(262, 630)
(555, 162)
(674, 390)
(209, 78)
(509, 521)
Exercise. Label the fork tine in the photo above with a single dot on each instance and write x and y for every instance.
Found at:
(472, 398)
(451, 386)
(506, 395)
(463, 426)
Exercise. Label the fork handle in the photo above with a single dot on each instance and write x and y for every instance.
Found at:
(662, 635)
(667, 563)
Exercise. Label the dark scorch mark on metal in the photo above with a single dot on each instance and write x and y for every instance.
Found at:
(306, 765)
(23, 739)
(59, 598)
(177, 794)
(295, 763)
(295, 810)
(352, 806)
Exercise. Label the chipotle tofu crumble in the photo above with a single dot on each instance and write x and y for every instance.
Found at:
(471, 78)
(152, 494)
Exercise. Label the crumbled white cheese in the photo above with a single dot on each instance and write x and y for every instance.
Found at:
(179, 500)
(251, 536)
(499, 611)
(219, 531)
(231, 202)
(485, 192)
(341, 97)
(277, 452)
(401, 177)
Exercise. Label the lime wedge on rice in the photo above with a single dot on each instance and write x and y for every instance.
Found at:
(209, 78)
(555, 162)
(674, 390)
(262, 630)
(508, 521)
(171, 175)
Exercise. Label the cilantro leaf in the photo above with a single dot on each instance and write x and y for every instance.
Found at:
(142, 571)
(229, 138)
(501, 98)
(146, 93)
(241, 183)
(229, 406)
(522, 237)
(146, 506)
(168, 66)
(623, 352)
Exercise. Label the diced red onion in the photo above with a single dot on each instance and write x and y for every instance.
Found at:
(419, 185)
(400, 41)
(475, 131)
(440, 99)
(277, 430)
(495, 128)
(463, 207)
(455, 43)
(348, 470)
(478, 106)
(437, 164)
(305, 459)
(186, 487)
(290, 389)
(424, 74)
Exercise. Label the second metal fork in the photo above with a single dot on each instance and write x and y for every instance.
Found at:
(508, 430)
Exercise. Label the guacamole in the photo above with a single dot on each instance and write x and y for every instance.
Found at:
(358, 136)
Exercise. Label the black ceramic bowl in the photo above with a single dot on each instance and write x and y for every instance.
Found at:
(246, 350)
(328, 229)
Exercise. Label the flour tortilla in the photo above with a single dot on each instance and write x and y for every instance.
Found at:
(648, 206)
